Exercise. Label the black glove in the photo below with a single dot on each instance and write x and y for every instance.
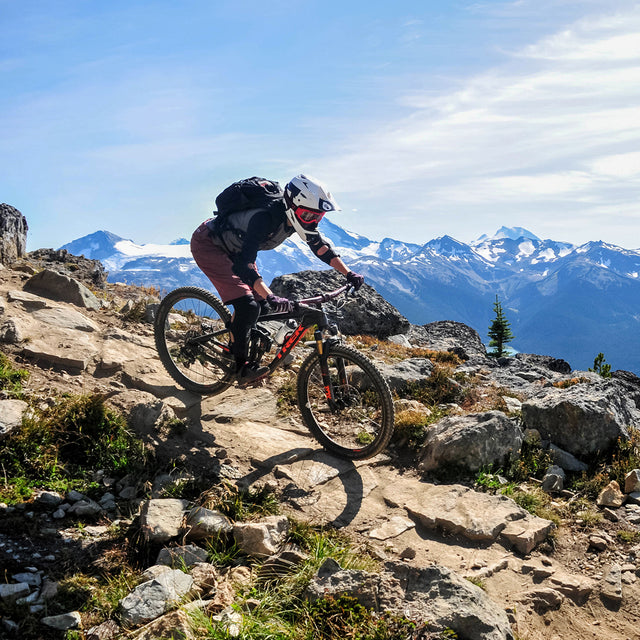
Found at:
(355, 279)
(280, 305)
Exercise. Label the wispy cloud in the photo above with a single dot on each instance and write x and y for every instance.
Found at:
(556, 125)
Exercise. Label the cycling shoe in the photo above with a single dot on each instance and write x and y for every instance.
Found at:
(250, 372)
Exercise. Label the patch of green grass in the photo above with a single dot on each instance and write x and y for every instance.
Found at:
(287, 397)
(532, 462)
(628, 537)
(60, 447)
(95, 597)
(241, 504)
(439, 388)
(411, 425)
(494, 482)
(11, 379)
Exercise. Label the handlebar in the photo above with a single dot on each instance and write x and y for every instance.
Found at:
(325, 297)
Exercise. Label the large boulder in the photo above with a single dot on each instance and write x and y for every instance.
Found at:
(90, 272)
(471, 441)
(57, 286)
(365, 313)
(585, 418)
(13, 234)
(434, 593)
(447, 335)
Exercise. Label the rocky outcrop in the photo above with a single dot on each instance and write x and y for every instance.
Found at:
(585, 418)
(433, 594)
(471, 442)
(90, 272)
(447, 335)
(56, 286)
(13, 234)
(365, 313)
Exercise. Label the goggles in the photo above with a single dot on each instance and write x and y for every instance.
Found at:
(308, 216)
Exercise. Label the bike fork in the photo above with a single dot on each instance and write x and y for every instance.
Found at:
(329, 391)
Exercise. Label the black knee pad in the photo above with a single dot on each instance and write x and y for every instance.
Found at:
(246, 311)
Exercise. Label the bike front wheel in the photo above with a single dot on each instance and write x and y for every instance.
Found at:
(352, 416)
(192, 338)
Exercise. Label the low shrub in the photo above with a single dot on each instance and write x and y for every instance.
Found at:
(59, 447)
(11, 379)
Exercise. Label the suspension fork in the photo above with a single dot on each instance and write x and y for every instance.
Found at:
(324, 367)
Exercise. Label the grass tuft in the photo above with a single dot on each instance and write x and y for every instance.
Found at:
(59, 447)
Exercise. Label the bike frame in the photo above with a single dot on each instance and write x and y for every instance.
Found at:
(307, 312)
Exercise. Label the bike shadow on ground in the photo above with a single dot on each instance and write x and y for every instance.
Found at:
(312, 475)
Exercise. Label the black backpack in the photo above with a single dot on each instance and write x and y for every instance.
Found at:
(250, 193)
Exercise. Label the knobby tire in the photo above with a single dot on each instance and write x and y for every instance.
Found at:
(362, 423)
(195, 366)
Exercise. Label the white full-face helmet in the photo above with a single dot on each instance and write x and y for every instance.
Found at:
(307, 201)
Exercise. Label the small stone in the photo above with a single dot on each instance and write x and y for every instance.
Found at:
(128, 493)
(63, 622)
(408, 554)
(611, 586)
(611, 496)
(11, 592)
(179, 556)
(10, 625)
(49, 499)
(597, 542)
(632, 481)
(32, 579)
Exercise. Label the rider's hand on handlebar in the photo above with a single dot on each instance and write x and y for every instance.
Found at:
(355, 280)
(280, 305)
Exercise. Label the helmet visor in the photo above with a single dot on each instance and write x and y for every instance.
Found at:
(308, 216)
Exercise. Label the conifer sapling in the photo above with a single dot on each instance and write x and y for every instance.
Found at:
(499, 331)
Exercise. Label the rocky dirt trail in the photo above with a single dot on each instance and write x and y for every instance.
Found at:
(555, 590)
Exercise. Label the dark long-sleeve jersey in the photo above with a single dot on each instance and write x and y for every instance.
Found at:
(264, 229)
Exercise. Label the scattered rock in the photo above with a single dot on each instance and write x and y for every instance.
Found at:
(11, 413)
(553, 481)
(13, 234)
(64, 621)
(161, 518)
(582, 419)
(611, 496)
(151, 599)
(611, 585)
(543, 599)
(56, 286)
(472, 441)
(204, 523)
(179, 557)
(433, 593)
(263, 538)
(632, 481)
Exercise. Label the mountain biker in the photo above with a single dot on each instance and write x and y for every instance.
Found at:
(227, 256)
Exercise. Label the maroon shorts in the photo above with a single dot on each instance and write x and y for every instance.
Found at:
(217, 266)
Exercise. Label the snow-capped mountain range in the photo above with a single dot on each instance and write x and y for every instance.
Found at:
(563, 300)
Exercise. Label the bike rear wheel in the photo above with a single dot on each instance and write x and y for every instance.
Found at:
(358, 421)
(192, 339)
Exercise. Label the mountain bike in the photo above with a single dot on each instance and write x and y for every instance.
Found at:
(344, 400)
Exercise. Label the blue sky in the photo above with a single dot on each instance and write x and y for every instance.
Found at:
(424, 118)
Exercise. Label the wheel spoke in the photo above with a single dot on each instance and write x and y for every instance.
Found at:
(354, 417)
(192, 339)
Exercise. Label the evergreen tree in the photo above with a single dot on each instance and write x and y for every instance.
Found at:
(499, 331)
